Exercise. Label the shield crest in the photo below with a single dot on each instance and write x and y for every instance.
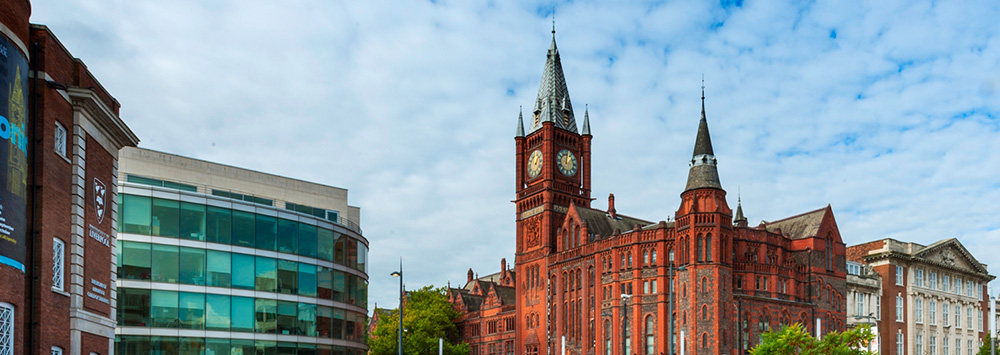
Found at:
(100, 202)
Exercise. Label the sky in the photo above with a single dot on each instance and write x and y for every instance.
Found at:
(889, 111)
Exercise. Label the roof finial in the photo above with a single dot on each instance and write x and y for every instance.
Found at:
(703, 96)
(553, 21)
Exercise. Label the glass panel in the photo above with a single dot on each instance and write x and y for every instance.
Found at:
(215, 346)
(243, 314)
(307, 349)
(324, 286)
(307, 280)
(349, 325)
(362, 292)
(352, 289)
(307, 319)
(135, 263)
(191, 310)
(287, 317)
(163, 309)
(164, 345)
(219, 225)
(191, 346)
(241, 346)
(286, 348)
(307, 240)
(266, 315)
(324, 244)
(351, 247)
(165, 263)
(338, 324)
(265, 275)
(192, 266)
(218, 310)
(166, 214)
(266, 347)
(339, 285)
(192, 221)
(243, 229)
(324, 319)
(338, 252)
(243, 271)
(133, 307)
(289, 236)
(219, 264)
(362, 257)
(131, 344)
(267, 232)
(137, 214)
(288, 277)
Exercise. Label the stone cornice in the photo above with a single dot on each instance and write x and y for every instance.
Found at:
(103, 117)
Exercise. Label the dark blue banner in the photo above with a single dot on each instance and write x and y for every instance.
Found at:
(13, 153)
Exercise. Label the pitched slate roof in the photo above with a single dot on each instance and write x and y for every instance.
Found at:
(600, 222)
(553, 103)
(796, 227)
(508, 295)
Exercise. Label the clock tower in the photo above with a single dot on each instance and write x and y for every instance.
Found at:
(553, 172)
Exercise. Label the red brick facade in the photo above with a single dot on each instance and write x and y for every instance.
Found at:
(60, 201)
(574, 263)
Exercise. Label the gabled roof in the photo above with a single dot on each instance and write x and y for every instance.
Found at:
(801, 226)
(507, 295)
(602, 225)
(952, 243)
(553, 103)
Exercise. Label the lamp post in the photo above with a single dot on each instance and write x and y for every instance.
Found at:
(670, 304)
(399, 339)
(993, 322)
(871, 317)
(625, 298)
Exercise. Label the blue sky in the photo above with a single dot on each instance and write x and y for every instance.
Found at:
(887, 110)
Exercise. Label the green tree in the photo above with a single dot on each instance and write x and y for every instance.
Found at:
(794, 340)
(427, 316)
(985, 349)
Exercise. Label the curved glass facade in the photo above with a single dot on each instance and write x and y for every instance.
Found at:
(201, 274)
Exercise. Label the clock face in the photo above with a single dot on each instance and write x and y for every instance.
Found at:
(534, 164)
(566, 162)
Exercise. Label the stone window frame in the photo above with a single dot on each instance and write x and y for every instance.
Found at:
(58, 264)
(6, 328)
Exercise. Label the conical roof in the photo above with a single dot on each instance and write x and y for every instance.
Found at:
(704, 172)
(553, 103)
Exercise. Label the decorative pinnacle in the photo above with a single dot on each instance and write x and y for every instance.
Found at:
(553, 22)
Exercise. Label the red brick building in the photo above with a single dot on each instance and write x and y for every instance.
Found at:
(574, 262)
(488, 314)
(61, 135)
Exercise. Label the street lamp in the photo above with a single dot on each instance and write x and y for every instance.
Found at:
(870, 316)
(670, 304)
(625, 297)
(399, 339)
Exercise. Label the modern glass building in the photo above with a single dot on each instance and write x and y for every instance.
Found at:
(258, 264)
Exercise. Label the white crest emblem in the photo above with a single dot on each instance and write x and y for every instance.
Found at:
(100, 203)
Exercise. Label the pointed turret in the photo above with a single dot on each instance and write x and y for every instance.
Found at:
(520, 124)
(704, 172)
(739, 220)
(586, 120)
(553, 103)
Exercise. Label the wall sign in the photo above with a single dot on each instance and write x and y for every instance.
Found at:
(13, 153)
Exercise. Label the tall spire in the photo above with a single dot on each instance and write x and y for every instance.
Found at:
(520, 123)
(553, 103)
(739, 219)
(703, 172)
(586, 120)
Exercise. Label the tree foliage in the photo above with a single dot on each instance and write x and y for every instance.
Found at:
(427, 316)
(795, 340)
(985, 349)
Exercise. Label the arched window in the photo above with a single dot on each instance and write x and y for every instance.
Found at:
(708, 248)
(704, 312)
(576, 234)
(645, 257)
(704, 340)
(701, 248)
(629, 260)
(653, 256)
(624, 259)
(704, 285)
(607, 337)
(650, 335)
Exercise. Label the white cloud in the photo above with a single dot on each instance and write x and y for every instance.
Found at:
(412, 107)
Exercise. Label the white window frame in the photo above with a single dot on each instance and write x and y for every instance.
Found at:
(899, 309)
(944, 314)
(6, 328)
(933, 312)
(57, 350)
(899, 343)
(945, 283)
(958, 316)
(932, 280)
(899, 275)
(968, 317)
(918, 310)
(60, 130)
(58, 264)
(919, 343)
(980, 320)
(918, 278)
(878, 308)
